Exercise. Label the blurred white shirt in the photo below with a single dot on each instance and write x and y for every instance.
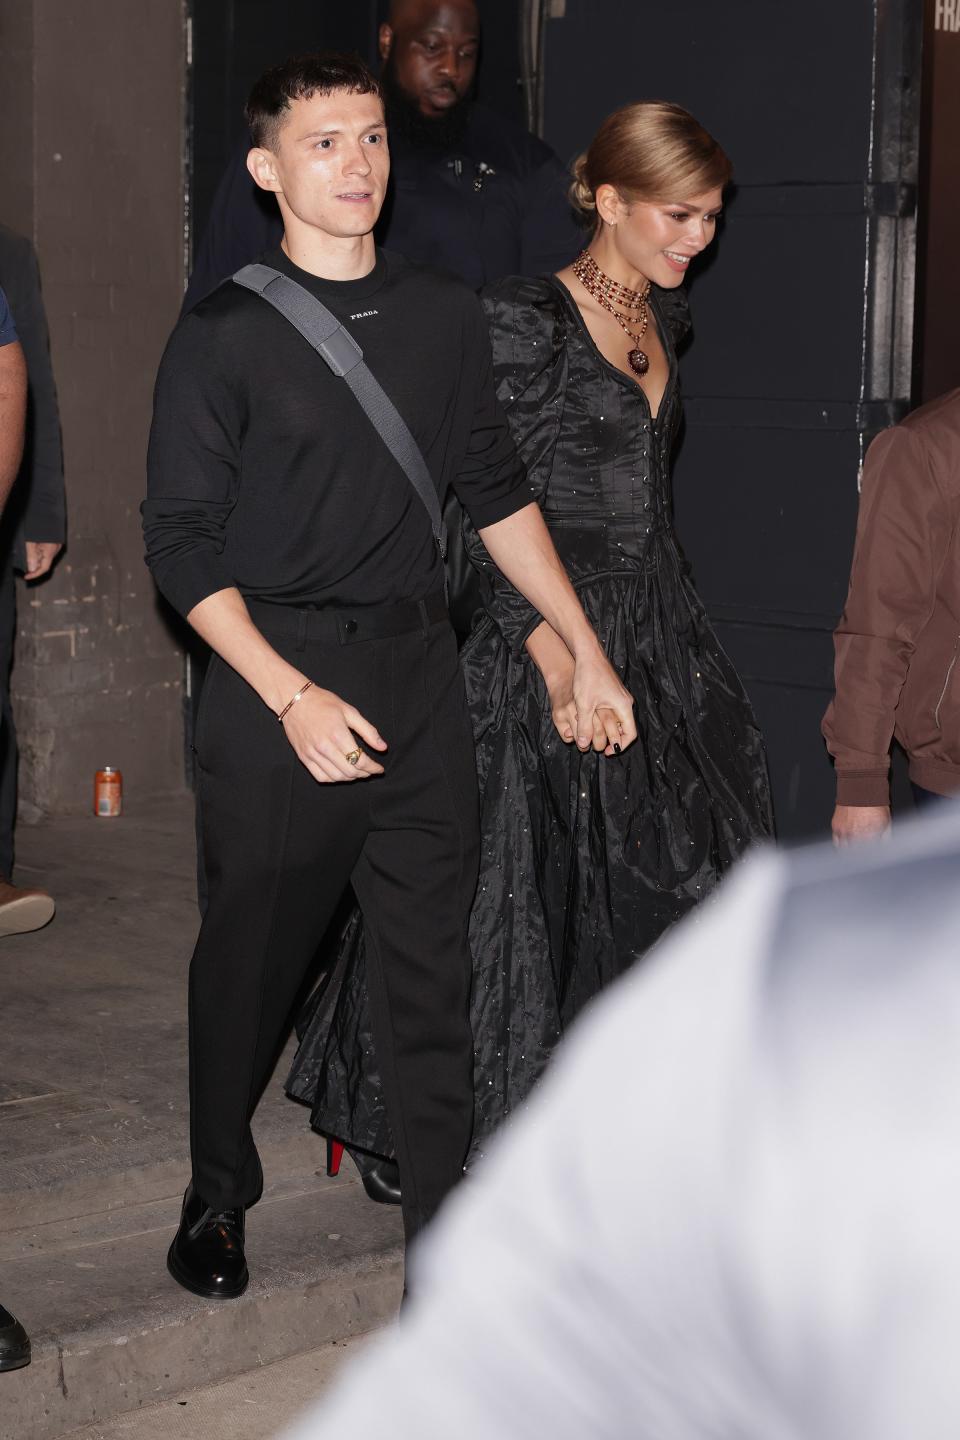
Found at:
(731, 1209)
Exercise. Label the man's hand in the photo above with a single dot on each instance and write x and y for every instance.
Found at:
(40, 557)
(324, 730)
(859, 822)
(604, 708)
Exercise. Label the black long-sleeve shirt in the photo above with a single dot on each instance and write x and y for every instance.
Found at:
(496, 204)
(263, 471)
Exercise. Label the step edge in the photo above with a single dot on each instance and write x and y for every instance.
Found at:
(81, 1340)
(367, 1303)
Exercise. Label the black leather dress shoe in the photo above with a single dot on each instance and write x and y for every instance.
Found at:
(14, 1342)
(382, 1183)
(206, 1256)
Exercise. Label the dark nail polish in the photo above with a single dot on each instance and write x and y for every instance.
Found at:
(616, 749)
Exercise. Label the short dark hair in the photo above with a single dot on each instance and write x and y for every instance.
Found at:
(299, 78)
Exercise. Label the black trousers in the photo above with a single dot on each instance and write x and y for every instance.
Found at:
(278, 849)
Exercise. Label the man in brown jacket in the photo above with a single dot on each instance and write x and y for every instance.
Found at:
(898, 641)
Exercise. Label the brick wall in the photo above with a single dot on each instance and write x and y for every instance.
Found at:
(94, 123)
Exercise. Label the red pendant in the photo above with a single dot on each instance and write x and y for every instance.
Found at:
(639, 362)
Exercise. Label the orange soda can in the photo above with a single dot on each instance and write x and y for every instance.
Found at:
(108, 792)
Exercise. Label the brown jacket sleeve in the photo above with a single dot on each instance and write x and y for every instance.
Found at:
(903, 534)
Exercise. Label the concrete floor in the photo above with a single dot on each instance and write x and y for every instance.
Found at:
(255, 1406)
(94, 1156)
(94, 1007)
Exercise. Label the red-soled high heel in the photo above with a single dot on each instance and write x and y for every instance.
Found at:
(334, 1156)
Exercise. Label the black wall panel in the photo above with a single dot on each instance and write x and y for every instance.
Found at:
(938, 354)
(772, 527)
(782, 386)
(784, 87)
(780, 308)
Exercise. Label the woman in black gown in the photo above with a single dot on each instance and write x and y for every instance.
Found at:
(586, 860)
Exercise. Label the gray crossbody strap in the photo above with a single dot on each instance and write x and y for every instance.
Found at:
(343, 355)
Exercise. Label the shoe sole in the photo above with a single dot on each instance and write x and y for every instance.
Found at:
(205, 1291)
(19, 917)
(15, 1363)
(381, 1196)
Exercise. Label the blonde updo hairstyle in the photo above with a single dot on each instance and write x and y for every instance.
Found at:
(651, 151)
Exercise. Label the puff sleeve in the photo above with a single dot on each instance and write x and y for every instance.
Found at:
(528, 338)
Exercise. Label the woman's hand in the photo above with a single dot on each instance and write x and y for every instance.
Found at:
(563, 707)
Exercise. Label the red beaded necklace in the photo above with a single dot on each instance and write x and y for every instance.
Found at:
(610, 294)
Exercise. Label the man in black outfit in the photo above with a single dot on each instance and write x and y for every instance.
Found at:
(470, 191)
(279, 524)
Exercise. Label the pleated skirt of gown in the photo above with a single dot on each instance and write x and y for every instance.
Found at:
(586, 861)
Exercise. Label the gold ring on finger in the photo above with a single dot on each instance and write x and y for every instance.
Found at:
(352, 757)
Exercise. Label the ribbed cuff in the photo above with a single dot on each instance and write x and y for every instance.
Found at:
(863, 789)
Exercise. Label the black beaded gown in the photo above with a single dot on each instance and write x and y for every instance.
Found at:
(586, 860)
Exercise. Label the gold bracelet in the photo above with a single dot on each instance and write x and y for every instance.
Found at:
(299, 696)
